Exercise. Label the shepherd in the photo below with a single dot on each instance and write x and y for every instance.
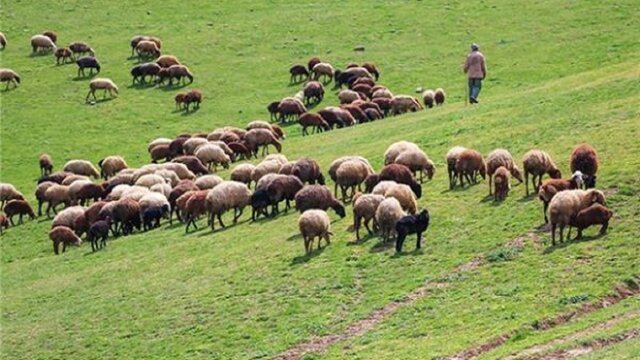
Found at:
(476, 71)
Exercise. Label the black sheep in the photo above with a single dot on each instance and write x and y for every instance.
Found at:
(260, 200)
(98, 233)
(412, 224)
(151, 217)
(87, 62)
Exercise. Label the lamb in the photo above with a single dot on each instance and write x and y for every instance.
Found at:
(166, 61)
(595, 214)
(42, 42)
(348, 96)
(412, 224)
(313, 91)
(9, 192)
(440, 96)
(81, 48)
(401, 104)
(501, 183)
(308, 171)
(417, 160)
(20, 208)
(111, 165)
(364, 210)
(318, 197)
(350, 174)
(552, 186)
(298, 73)
(501, 157)
(63, 54)
(585, 159)
(210, 154)
(177, 72)
(68, 216)
(87, 62)
(40, 197)
(65, 236)
(81, 167)
(126, 213)
(387, 215)
(228, 195)
(402, 175)
(208, 182)
(314, 223)
(567, 204)
(314, 120)
(102, 84)
(395, 149)
(469, 164)
(10, 77)
(98, 234)
(404, 195)
(428, 96)
(452, 158)
(537, 163)
(324, 70)
(283, 188)
(261, 137)
(146, 48)
(192, 163)
(290, 108)
(140, 72)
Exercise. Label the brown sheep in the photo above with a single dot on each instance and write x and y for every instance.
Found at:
(469, 164)
(166, 61)
(3, 44)
(298, 73)
(256, 138)
(10, 77)
(126, 214)
(501, 157)
(51, 35)
(179, 100)
(383, 104)
(65, 236)
(46, 164)
(4, 222)
(20, 208)
(272, 108)
(177, 72)
(160, 152)
(439, 96)
(363, 89)
(552, 186)
(240, 151)
(595, 214)
(63, 54)
(537, 163)
(585, 159)
(357, 113)
(308, 171)
(195, 207)
(313, 62)
(364, 81)
(501, 183)
(373, 70)
(312, 120)
(146, 48)
(401, 104)
(402, 175)
(81, 48)
(289, 108)
(193, 97)
(452, 158)
(193, 164)
(313, 91)
(318, 197)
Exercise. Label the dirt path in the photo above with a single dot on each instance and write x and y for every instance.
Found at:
(590, 346)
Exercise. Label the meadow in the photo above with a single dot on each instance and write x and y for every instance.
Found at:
(560, 74)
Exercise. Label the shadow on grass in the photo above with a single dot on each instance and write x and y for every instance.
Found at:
(40, 54)
(85, 77)
(530, 197)
(303, 259)
(189, 112)
(363, 239)
(415, 252)
(142, 85)
(566, 243)
(100, 100)
(173, 87)
(381, 246)
(7, 89)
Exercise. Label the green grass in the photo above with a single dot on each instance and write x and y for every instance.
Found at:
(560, 74)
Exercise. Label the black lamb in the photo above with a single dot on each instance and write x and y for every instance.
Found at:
(411, 224)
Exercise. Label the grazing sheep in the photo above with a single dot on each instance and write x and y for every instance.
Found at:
(210, 154)
(314, 223)
(154, 200)
(501, 157)
(42, 43)
(283, 188)
(290, 108)
(68, 216)
(98, 234)
(348, 96)
(337, 116)
(169, 176)
(383, 93)
(8, 192)
(404, 195)
(193, 97)
(401, 104)
(39, 194)
(308, 171)
(208, 182)
(364, 210)
(85, 192)
(373, 114)
(314, 120)
(146, 48)
(396, 149)
(595, 214)
(287, 168)
(73, 178)
(166, 61)
(412, 224)
(20, 208)
(10, 77)
(402, 175)
(452, 158)
(537, 163)
(226, 196)
(63, 54)
(387, 215)
(176, 145)
(160, 152)
(266, 180)
(243, 173)
(148, 180)
(256, 138)
(428, 96)
(439, 96)
(324, 70)
(501, 183)
(349, 75)
(51, 35)
(333, 167)
(313, 62)
(364, 81)
(88, 62)
(259, 124)
(567, 204)
(240, 151)
(126, 214)
(469, 164)
(381, 187)
(350, 174)
(81, 167)
(272, 108)
(102, 84)
(383, 104)
(92, 214)
(65, 236)
(140, 72)
(164, 189)
(180, 169)
(192, 163)
(356, 113)
(55, 195)
(362, 89)
(417, 160)
(313, 91)
(181, 189)
(552, 186)
(192, 144)
(151, 217)
(158, 141)
(3, 44)
(81, 48)
(318, 197)
(372, 69)
(106, 211)
(298, 73)
(177, 72)
(585, 159)
(46, 164)
(111, 165)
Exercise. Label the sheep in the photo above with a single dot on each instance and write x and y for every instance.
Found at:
(348, 96)
(256, 138)
(4, 222)
(356, 113)
(363, 89)
(381, 187)
(68, 216)
(92, 213)
(364, 210)
(126, 216)
(140, 72)
(382, 94)
(111, 165)
(164, 189)
(63, 54)
(106, 210)
(290, 108)
(402, 175)
(81, 48)
(182, 188)
(154, 199)
(146, 48)
(272, 108)
(401, 104)
(3, 44)
(151, 217)
(87, 62)
(243, 173)
(537, 163)
(135, 40)
(318, 197)
(412, 224)
(65, 236)
(552, 186)
(283, 188)
(313, 62)
(192, 163)
(314, 223)
(364, 81)
(501, 157)
(439, 96)
(51, 35)
(372, 69)
(313, 91)
(81, 167)
(121, 178)
(585, 159)
(236, 130)
(501, 183)
(191, 145)
(569, 203)
(10, 77)
(333, 168)
(148, 180)
(98, 234)
(158, 141)
(595, 214)
(259, 124)
(372, 114)
(42, 42)
(181, 170)
(266, 180)
(287, 168)
(104, 84)
(396, 149)
(193, 97)
(192, 204)
(39, 194)
(9, 192)
(387, 215)
(228, 195)
(350, 174)
(166, 61)
(349, 75)
(324, 70)
(135, 192)
(298, 73)
(85, 192)
(469, 164)
(240, 151)
(337, 116)
(260, 200)
(210, 154)
(404, 195)
(314, 120)
(175, 72)
(118, 191)
(452, 158)
(20, 208)
(383, 104)
(428, 97)
(176, 145)
(308, 171)
(208, 182)
(73, 178)
(417, 160)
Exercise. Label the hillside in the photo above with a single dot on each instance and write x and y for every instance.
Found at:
(559, 74)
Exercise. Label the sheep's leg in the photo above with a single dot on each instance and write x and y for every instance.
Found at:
(419, 241)
(20, 219)
(366, 225)
(526, 182)
(220, 220)
(356, 226)
(399, 240)
(561, 231)
(490, 183)
(11, 220)
(544, 212)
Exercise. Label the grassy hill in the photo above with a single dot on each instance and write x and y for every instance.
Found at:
(559, 74)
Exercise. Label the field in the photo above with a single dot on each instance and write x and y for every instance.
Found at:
(487, 283)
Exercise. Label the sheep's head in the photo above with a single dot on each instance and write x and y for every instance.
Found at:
(597, 196)
(370, 182)
(578, 179)
(430, 169)
(278, 146)
(417, 189)
(483, 171)
(590, 181)
(339, 209)
(555, 173)
(321, 179)
(423, 216)
(517, 173)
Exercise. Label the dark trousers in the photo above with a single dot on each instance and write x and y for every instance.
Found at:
(474, 88)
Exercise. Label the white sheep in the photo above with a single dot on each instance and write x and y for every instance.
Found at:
(192, 144)
(210, 154)
(68, 216)
(81, 167)
(117, 192)
(264, 168)
(452, 159)
(181, 170)
(417, 160)
(158, 141)
(154, 199)
(42, 42)
(276, 157)
(73, 178)
(169, 176)
(322, 70)
(207, 182)
(537, 163)
(164, 189)
(396, 148)
(388, 213)
(242, 173)
(404, 195)
(226, 196)
(135, 193)
(9, 192)
(565, 205)
(382, 187)
(314, 223)
(149, 180)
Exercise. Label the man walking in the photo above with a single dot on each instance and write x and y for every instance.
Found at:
(476, 71)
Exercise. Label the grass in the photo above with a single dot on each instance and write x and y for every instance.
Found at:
(248, 291)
